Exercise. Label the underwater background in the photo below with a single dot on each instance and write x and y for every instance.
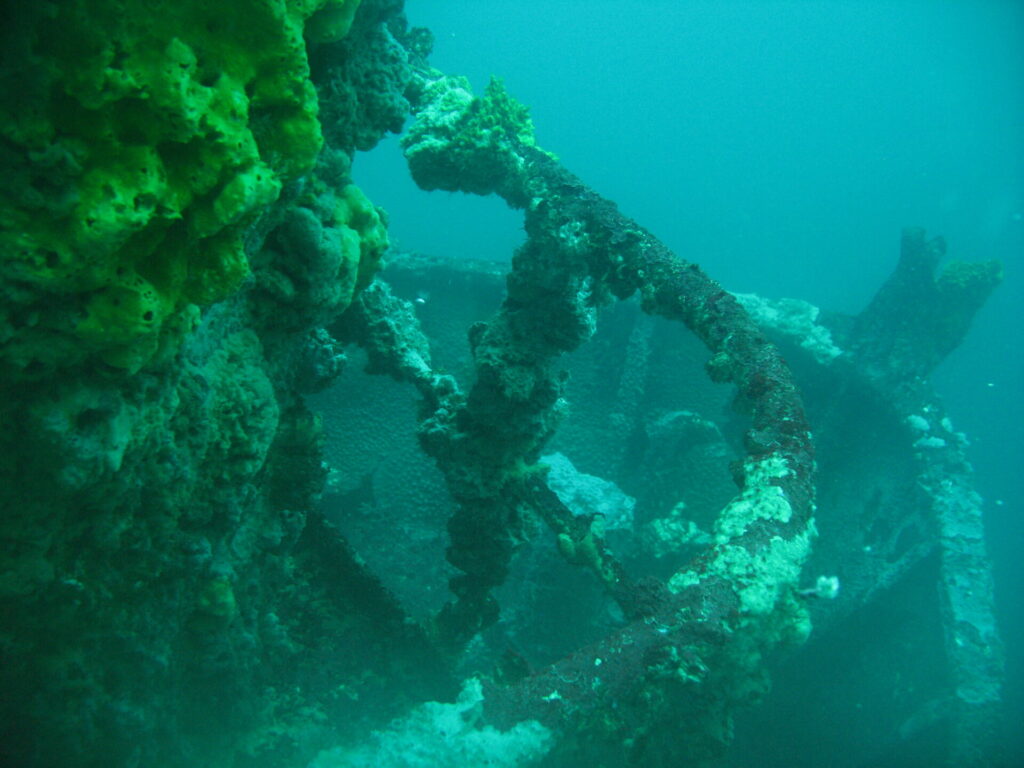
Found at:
(782, 146)
(310, 460)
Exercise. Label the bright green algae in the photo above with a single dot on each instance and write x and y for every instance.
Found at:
(141, 142)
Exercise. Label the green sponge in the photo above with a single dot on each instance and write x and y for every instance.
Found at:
(142, 139)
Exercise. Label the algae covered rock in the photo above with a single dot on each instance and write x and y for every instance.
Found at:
(463, 142)
(325, 250)
(161, 164)
(140, 140)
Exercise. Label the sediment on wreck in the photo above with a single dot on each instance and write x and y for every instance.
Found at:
(645, 417)
(918, 317)
(694, 640)
(579, 252)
